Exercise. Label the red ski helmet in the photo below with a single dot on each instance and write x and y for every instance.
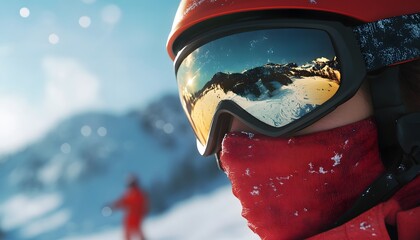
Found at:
(210, 90)
(191, 12)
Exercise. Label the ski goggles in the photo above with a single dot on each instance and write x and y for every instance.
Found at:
(276, 76)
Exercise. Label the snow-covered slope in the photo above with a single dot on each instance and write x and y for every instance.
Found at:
(58, 185)
(212, 216)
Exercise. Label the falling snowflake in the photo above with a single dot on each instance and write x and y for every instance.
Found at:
(65, 148)
(53, 38)
(102, 131)
(86, 131)
(84, 21)
(111, 14)
(24, 12)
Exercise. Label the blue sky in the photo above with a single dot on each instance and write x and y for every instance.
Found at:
(61, 57)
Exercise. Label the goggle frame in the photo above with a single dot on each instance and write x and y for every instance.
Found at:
(352, 69)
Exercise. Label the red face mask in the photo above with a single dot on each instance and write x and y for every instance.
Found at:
(295, 188)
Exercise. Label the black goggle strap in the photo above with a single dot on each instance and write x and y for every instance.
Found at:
(388, 106)
(384, 43)
(408, 134)
(389, 41)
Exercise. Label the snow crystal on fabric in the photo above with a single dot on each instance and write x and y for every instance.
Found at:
(255, 191)
(197, 3)
(250, 135)
(345, 143)
(193, 5)
(364, 226)
(389, 41)
(321, 170)
(337, 158)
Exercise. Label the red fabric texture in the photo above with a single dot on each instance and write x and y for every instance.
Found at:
(296, 188)
(135, 205)
(402, 211)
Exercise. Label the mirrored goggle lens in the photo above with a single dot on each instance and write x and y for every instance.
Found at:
(276, 75)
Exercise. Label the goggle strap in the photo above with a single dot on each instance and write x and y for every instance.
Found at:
(389, 41)
(388, 105)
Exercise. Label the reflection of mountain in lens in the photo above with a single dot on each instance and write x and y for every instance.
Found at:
(276, 94)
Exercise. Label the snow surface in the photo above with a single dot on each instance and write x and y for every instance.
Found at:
(57, 186)
(276, 108)
(212, 216)
(21, 209)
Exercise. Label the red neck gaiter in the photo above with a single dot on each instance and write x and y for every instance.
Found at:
(295, 188)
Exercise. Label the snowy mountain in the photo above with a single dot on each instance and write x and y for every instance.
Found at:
(275, 94)
(271, 76)
(81, 165)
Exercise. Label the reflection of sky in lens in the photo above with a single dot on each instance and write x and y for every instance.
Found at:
(240, 52)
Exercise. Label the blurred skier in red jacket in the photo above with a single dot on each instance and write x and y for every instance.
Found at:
(134, 203)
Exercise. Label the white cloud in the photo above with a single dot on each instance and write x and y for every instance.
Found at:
(19, 123)
(69, 88)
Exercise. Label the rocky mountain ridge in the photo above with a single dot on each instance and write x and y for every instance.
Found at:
(270, 77)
